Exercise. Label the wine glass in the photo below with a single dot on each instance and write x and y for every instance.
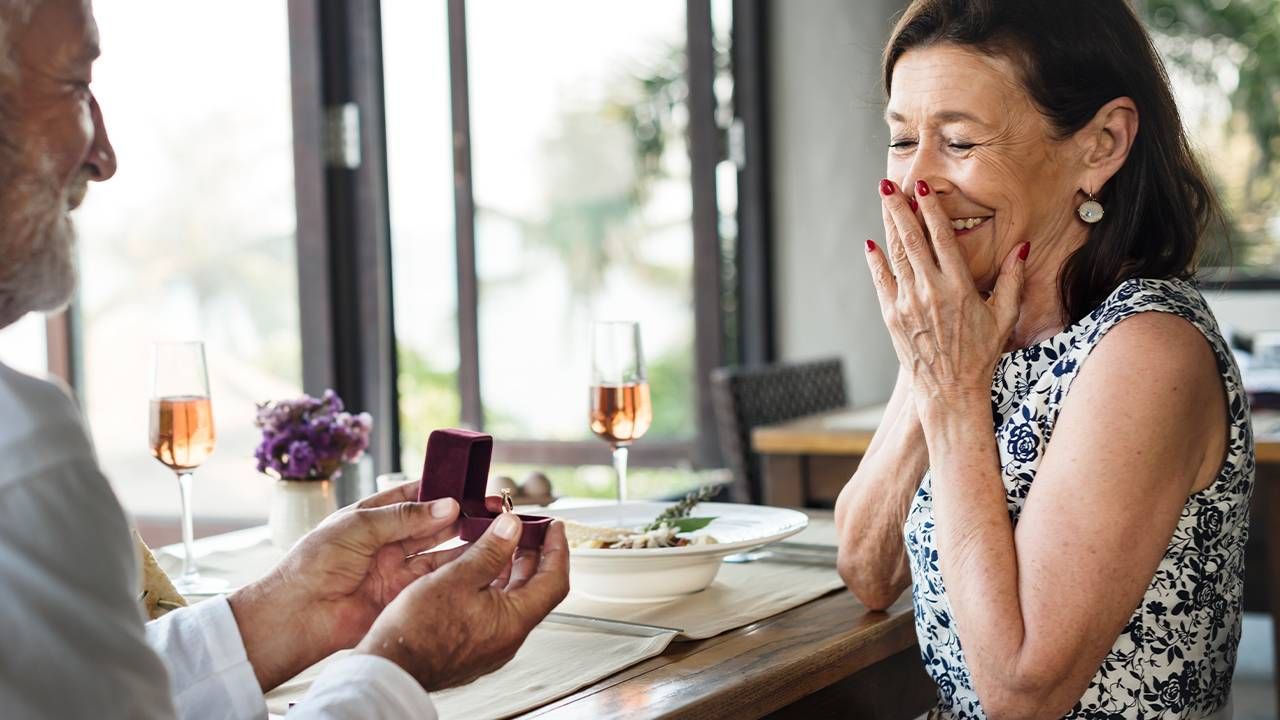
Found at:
(620, 407)
(182, 438)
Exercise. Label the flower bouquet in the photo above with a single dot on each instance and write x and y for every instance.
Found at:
(305, 443)
(309, 438)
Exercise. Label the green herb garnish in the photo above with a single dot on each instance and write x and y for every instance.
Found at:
(688, 525)
(677, 515)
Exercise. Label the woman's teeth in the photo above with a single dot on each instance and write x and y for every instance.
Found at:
(966, 223)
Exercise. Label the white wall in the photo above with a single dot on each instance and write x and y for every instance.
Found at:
(828, 153)
(1248, 312)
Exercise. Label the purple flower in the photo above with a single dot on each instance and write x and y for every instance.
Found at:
(301, 458)
(308, 438)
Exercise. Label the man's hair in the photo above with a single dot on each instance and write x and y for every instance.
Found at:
(1074, 58)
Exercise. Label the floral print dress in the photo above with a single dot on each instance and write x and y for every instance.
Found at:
(1175, 657)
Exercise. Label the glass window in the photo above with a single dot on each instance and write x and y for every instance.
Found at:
(23, 345)
(193, 238)
(1224, 62)
(424, 260)
(582, 189)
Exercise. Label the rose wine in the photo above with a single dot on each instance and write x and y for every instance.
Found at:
(182, 435)
(621, 413)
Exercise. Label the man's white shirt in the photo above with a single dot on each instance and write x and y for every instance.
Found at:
(73, 642)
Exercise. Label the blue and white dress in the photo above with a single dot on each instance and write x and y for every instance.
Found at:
(1175, 657)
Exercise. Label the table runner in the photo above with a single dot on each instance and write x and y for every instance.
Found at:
(559, 659)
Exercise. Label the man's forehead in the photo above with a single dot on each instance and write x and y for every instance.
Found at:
(58, 31)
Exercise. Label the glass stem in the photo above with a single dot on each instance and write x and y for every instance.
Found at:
(188, 534)
(620, 464)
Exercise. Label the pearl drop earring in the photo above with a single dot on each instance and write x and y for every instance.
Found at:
(1090, 210)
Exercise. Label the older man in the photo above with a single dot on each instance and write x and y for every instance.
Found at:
(73, 640)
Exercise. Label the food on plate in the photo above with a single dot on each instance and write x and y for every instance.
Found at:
(671, 528)
(158, 593)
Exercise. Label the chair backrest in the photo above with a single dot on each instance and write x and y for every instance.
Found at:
(747, 397)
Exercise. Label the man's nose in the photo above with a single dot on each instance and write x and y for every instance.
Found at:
(102, 157)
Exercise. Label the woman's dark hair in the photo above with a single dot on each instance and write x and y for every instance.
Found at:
(1074, 58)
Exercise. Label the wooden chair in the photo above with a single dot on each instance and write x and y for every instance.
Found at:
(747, 397)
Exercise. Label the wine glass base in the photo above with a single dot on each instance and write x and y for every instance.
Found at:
(197, 584)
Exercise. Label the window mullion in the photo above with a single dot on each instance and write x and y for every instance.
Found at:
(344, 249)
(704, 152)
(472, 412)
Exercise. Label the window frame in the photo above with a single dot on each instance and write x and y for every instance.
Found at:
(344, 240)
(707, 149)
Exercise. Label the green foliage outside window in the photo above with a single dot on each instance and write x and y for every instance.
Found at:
(1227, 53)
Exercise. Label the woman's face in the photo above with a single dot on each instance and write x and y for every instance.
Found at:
(961, 121)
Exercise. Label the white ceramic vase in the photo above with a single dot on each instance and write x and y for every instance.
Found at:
(297, 507)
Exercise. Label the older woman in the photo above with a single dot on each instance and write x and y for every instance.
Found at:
(1042, 213)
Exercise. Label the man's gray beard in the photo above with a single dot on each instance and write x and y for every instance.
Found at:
(35, 223)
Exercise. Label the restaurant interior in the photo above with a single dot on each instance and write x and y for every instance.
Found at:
(484, 214)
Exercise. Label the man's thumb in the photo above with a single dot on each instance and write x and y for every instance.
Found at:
(488, 556)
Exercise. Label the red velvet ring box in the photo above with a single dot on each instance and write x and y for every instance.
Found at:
(457, 466)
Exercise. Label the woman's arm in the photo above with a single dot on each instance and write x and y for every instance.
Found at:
(1037, 608)
(873, 505)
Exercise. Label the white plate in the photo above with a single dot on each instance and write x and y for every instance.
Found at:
(662, 574)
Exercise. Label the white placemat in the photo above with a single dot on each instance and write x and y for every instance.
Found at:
(553, 662)
(239, 557)
(742, 593)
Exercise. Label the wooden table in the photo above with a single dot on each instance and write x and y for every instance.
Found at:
(827, 658)
(830, 657)
(806, 462)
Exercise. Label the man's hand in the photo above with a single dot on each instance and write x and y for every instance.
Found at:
(469, 617)
(325, 594)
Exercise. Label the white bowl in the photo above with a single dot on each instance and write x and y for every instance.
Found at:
(652, 575)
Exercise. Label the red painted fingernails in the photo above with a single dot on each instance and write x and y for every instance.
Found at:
(922, 188)
(914, 205)
(886, 187)
(871, 246)
(1024, 251)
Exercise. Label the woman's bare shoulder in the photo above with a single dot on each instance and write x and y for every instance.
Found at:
(1146, 388)
(1160, 346)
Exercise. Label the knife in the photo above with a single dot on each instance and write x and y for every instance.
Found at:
(620, 627)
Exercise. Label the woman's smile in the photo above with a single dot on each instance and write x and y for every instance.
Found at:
(966, 225)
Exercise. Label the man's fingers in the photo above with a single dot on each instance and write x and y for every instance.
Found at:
(523, 568)
(405, 520)
(406, 492)
(486, 558)
(1006, 296)
(503, 578)
(550, 582)
(426, 563)
(413, 546)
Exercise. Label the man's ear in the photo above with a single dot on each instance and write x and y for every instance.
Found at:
(1105, 143)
